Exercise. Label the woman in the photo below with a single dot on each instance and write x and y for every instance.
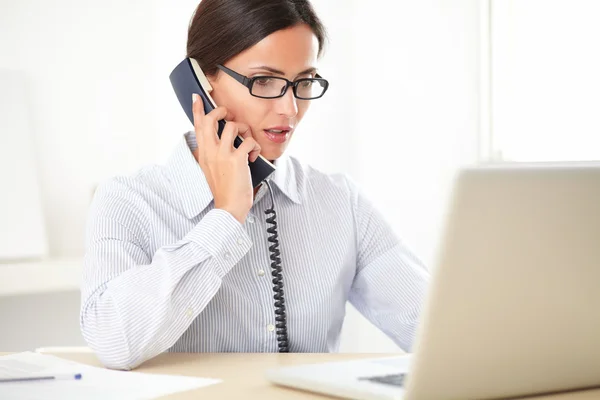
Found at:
(177, 256)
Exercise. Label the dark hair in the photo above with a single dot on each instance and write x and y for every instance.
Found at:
(221, 29)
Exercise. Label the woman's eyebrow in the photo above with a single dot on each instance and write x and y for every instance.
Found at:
(278, 72)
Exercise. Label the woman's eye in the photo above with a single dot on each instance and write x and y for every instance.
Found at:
(305, 84)
(263, 81)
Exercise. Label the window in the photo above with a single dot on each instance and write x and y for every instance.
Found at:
(542, 101)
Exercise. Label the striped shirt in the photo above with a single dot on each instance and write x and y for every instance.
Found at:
(165, 271)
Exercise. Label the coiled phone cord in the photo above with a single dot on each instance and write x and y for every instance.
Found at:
(280, 316)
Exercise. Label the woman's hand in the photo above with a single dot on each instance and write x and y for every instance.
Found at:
(225, 167)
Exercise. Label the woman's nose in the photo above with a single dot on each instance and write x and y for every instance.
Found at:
(287, 105)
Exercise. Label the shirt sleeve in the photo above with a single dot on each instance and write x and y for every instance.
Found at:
(136, 305)
(390, 285)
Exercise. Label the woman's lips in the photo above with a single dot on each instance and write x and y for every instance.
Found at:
(278, 134)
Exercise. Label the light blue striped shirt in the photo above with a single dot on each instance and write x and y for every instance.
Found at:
(166, 271)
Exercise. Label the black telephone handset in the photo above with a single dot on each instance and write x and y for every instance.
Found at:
(187, 78)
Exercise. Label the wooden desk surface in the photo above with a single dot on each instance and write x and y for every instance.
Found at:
(243, 374)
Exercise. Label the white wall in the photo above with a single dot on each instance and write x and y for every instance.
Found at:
(417, 78)
(91, 117)
(545, 80)
(91, 113)
(400, 115)
(26, 237)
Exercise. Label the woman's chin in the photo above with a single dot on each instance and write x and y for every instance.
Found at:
(271, 157)
(271, 153)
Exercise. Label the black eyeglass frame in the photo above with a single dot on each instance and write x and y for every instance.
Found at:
(248, 82)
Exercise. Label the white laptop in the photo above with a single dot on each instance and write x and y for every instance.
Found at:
(514, 303)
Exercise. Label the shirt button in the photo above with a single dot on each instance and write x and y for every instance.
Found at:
(241, 241)
(261, 272)
(189, 312)
(271, 327)
(227, 255)
(251, 219)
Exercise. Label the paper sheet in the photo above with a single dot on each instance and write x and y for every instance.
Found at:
(97, 383)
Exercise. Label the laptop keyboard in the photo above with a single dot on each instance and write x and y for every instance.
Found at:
(393, 379)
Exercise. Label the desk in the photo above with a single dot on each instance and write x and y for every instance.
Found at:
(242, 374)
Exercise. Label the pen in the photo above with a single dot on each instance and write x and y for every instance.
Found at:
(41, 378)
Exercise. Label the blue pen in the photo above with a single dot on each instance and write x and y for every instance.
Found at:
(41, 378)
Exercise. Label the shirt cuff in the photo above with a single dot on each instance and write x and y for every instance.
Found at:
(222, 236)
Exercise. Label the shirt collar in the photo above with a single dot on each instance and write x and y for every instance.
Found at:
(191, 188)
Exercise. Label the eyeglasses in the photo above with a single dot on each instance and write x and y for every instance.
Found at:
(272, 87)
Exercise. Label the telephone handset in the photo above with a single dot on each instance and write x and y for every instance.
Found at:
(187, 78)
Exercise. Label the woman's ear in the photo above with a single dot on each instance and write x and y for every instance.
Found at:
(213, 78)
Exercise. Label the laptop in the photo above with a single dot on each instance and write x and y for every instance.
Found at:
(513, 307)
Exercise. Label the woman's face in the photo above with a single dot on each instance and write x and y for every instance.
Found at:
(290, 53)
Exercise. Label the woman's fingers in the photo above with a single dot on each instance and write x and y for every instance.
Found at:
(245, 132)
(249, 149)
(206, 125)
